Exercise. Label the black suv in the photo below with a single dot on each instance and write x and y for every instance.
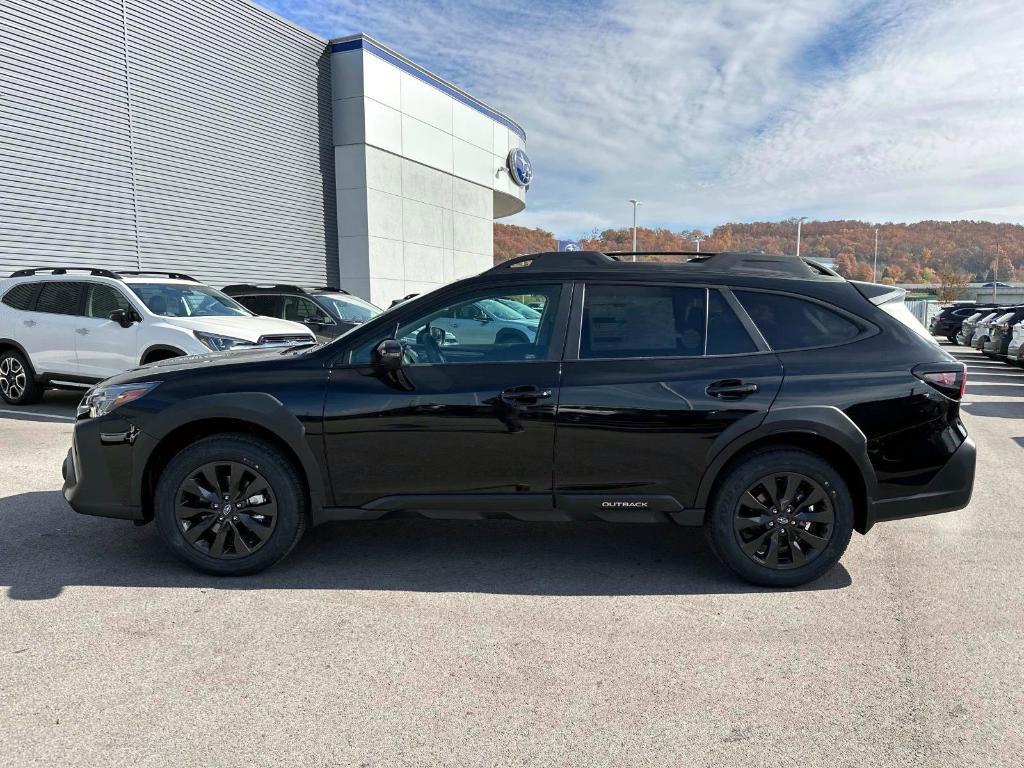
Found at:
(947, 323)
(327, 312)
(765, 398)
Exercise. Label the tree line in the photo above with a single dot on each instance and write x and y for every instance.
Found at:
(919, 252)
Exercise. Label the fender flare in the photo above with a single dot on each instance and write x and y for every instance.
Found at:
(824, 421)
(258, 408)
(161, 348)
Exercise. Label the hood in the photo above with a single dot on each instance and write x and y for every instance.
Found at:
(248, 328)
(178, 365)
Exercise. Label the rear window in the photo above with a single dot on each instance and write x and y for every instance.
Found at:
(261, 304)
(787, 322)
(59, 298)
(621, 321)
(21, 296)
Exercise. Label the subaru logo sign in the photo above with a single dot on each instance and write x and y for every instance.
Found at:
(520, 168)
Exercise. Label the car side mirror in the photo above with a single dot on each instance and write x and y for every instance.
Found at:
(388, 354)
(122, 317)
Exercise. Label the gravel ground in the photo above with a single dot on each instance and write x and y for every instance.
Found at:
(491, 644)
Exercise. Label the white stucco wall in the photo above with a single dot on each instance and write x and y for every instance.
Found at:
(420, 174)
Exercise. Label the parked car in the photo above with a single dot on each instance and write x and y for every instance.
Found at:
(1000, 332)
(1015, 349)
(967, 328)
(327, 312)
(996, 284)
(74, 327)
(488, 321)
(777, 406)
(950, 318)
(983, 329)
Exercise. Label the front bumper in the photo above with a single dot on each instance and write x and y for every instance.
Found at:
(950, 489)
(103, 468)
(1014, 350)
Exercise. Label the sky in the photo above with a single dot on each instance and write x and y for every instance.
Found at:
(732, 110)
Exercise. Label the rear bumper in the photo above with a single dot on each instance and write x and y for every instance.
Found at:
(949, 490)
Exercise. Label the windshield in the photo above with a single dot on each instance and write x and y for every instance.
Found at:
(517, 306)
(500, 311)
(179, 300)
(350, 309)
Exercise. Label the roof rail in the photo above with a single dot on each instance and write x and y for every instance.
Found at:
(264, 287)
(65, 270)
(725, 261)
(155, 273)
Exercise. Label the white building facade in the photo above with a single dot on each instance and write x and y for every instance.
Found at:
(214, 138)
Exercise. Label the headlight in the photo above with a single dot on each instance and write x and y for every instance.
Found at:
(102, 400)
(222, 343)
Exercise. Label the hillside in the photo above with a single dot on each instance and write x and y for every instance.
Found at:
(906, 252)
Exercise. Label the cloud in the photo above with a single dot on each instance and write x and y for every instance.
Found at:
(891, 110)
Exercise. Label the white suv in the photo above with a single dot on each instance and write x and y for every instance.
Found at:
(59, 329)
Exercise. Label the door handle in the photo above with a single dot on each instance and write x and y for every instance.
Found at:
(730, 389)
(30, 323)
(527, 393)
(82, 331)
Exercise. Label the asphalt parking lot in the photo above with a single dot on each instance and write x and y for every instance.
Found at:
(506, 643)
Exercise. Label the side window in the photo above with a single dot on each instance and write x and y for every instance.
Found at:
(642, 321)
(59, 298)
(262, 304)
(787, 322)
(726, 334)
(454, 332)
(21, 296)
(103, 299)
(299, 309)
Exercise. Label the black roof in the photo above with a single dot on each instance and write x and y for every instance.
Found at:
(725, 262)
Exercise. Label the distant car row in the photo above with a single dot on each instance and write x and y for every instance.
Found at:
(997, 331)
(73, 327)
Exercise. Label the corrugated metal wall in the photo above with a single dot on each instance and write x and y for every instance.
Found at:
(191, 135)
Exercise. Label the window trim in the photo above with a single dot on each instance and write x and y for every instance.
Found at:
(563, 298)
(867, 328)
(575, 336)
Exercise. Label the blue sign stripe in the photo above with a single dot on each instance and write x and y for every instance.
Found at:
(353, 45)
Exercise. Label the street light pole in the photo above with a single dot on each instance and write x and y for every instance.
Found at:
(635, 204)
(799, 224)
(697, 239)
(874, 268)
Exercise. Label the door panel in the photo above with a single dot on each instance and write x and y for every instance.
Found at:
(645, 426)
(457, 418)
(440, 429)
(48, 334)
(103, 347)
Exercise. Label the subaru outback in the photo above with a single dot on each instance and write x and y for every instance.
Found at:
(765, 398)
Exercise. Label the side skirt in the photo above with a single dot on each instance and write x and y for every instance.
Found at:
(530, 507)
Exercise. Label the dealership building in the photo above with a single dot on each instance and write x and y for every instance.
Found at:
(214, 138)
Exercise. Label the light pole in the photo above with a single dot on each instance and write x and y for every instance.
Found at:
(799, 224)
(874, 268)
(697, 239)
(635, 204)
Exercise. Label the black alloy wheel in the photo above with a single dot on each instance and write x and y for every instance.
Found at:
(231, 504)
(780, 516)
(784, 520)
(226, 509)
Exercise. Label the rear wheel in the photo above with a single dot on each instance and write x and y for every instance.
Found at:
(511, 337)
(230, 505)
(951, 339)
(17, 380)
(781, 517)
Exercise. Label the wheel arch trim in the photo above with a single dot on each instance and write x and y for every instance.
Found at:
(160, 348)
(260, 411)
(826, 423)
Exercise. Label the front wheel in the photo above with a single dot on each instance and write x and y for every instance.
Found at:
(781, 517)
(230, 505)
(951, 339)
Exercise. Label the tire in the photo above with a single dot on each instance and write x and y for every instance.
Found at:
(511, 337)
(268, 537)
(951, 339)
(18, 384)
(724, 519)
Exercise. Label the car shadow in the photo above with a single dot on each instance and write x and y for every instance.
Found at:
(1009, 389)
(1005, 409)
(56, 405)
(45, 547)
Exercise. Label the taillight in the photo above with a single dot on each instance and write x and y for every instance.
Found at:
(950, 381)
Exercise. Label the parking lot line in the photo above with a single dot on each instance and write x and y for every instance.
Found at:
(58, 417)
